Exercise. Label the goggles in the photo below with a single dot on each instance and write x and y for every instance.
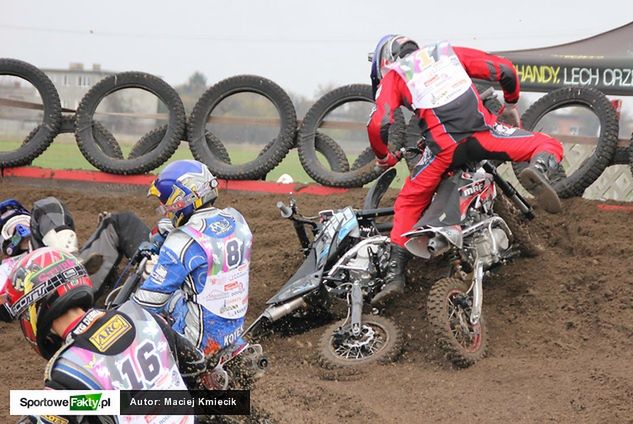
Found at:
(21, 232)
(189, 199)
(9, 228)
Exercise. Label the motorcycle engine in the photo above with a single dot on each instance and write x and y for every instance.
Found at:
(489, 243)
(364, 268)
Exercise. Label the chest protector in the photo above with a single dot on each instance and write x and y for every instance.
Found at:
(434, 75)
(147, 363)
(227, 247)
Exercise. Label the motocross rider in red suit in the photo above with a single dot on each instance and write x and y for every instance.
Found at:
(435, 82)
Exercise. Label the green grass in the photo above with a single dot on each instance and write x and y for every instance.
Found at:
(63, 153)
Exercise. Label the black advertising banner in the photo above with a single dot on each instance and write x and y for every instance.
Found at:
(183, 402)
(610, 78)
(603, 61)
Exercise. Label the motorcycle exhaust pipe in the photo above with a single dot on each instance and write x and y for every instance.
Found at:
(274, 313)
(437, 244)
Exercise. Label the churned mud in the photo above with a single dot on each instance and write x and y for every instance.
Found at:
(560, 325)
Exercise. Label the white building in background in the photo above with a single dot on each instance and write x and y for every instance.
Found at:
(72, 84)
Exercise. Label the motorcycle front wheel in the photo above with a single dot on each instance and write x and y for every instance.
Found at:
(379, 341)
(448, 310)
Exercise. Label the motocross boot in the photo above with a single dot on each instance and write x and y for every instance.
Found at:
(394, 279)
(536, 180)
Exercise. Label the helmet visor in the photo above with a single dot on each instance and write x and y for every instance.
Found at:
(9, 228)
(168, 210)
(21, 233)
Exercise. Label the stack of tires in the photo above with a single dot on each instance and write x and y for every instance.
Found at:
(42, 135)
(152, 149)
(571, 184)
(322, 157)
(362, 170)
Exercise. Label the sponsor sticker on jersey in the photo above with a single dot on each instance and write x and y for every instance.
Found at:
(53, 419)
(220, 226)
(88, 320)
(110, 332)
(503, 130)
(159, 274)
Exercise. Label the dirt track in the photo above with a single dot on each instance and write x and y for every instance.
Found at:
(561, 327)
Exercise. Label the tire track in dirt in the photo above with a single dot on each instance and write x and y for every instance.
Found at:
(560, 325)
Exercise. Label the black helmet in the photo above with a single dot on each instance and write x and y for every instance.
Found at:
(53, 225)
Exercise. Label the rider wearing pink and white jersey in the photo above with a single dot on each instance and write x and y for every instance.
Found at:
(127, 348)
(435, 82)
(202, 272)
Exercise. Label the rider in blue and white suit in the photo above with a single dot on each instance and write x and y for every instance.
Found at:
(201, 275)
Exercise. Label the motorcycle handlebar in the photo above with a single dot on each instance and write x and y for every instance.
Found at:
(286, 211)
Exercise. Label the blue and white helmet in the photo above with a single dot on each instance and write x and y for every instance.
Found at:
(182, 187)
(15, 227)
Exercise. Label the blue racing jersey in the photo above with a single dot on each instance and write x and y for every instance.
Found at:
(201, 278)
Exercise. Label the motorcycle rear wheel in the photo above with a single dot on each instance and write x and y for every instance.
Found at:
(463, 343)
(528, 245)
(380, 342)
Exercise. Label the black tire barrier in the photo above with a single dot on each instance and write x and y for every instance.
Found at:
(397, 132)
(589, 171)
(621, 156)
(104, 138)
(151, 159)
(41, 136)
(268, 159)
(333, 153)
(307, 138)
(365, 157)
(152, 139)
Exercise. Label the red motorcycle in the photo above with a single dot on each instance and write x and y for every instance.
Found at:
(478, 228)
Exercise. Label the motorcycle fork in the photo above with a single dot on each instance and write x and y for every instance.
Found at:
(355, 305)
(478, 292)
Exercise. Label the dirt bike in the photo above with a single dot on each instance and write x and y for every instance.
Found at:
(236, 366)
(345, 259)
(478, 229)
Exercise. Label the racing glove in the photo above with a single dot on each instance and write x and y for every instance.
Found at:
(509, 114)
(149, 266)
(160, 232)
(387, 162)
(148, 248)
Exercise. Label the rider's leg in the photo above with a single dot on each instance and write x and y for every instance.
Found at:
(542, 151)
(413, 199)
(117, 235)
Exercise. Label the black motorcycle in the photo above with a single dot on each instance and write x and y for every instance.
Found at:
(346, 256)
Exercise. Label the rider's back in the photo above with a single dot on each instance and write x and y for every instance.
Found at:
(122, 349)
(207, 261)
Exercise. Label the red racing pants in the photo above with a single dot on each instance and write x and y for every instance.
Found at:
(501, 143)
